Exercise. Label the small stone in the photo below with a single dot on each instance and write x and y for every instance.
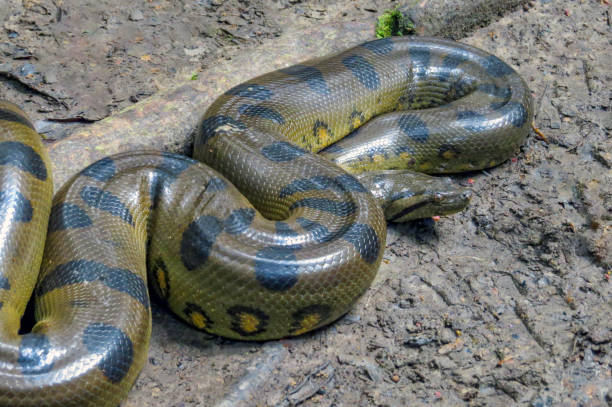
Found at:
(568, 110)
(136, 15)
(50, 77)
(395, 378)
(194, 52)
(600, 335)
(416, 341)
(601, 154)
(550, 114)
(27, 69)
(370, 6)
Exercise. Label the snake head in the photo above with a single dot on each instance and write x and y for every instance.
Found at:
(406, 195)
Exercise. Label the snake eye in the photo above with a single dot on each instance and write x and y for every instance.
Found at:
(438, 197)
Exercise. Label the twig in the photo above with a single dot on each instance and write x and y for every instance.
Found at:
(539, 134)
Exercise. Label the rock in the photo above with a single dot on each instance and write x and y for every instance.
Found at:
(136, 15)
(416, 341)
(50, 77)
(601, 154)
(565, 107)
(600, 335)
(550, 114)
(27, 69)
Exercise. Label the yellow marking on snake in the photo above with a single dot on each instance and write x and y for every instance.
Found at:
(248, 322)
(161, 281)
(448, 154)
(198, 320)
(308, 323)
(323, 135)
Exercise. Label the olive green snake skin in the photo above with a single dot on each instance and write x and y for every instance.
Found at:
(274, 242)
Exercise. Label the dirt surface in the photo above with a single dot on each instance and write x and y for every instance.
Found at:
(507, 303)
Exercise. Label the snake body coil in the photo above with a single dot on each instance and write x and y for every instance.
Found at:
(282, 243)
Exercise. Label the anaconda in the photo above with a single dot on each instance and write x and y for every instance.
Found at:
(262, 238)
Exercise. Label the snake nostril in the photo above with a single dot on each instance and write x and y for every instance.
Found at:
(466, 195)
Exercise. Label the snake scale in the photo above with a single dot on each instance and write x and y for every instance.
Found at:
(274, 241)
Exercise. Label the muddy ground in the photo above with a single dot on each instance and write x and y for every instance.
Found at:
(507, 303)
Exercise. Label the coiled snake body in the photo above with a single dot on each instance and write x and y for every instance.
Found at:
(290, 252)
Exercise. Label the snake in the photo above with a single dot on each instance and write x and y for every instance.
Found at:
(275, 228)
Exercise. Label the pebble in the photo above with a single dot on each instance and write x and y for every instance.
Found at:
(27, 69)
(50, 77)
(416, 341)
(136, 15)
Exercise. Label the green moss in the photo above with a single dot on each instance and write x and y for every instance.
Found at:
(393, 22)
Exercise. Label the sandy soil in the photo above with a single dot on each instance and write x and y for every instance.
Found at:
(507, 303)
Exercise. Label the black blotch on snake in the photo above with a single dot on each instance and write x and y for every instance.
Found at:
(239, 220)
(15, 205)
(66, 215)
(363, 70)
(107, 202)
(112, 346)
(198, 240)
(208, 127)
(23, 157)
(496, 67)
(263, 112)
(415, 128)
(276, 268)
(102, 170)
(282, 151)
(10, 116)
(251, 91)
(4, 283)
(380, 47)
(364, 239)
(35, 356)
(319, 232)
(80, 271)
(312, 76)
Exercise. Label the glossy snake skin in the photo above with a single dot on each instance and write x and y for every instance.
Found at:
(282, 243)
